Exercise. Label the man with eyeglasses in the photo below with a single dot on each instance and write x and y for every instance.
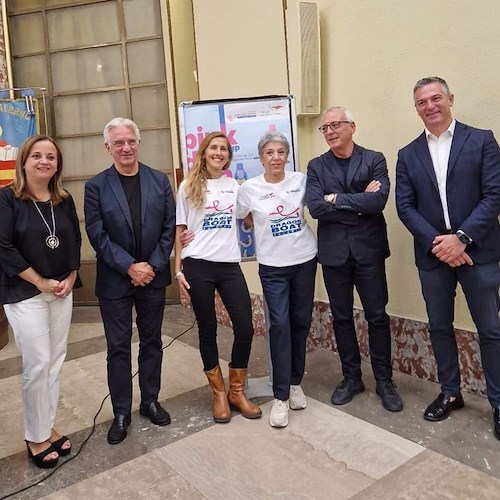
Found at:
(347, 190)
(130, 222)
(448, 196)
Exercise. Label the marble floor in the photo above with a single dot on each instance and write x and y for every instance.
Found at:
(355, 451)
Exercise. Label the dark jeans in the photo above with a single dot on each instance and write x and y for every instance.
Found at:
(289, 294)
(116, 315)
(480, 285)
(371, 285)
(204, 277)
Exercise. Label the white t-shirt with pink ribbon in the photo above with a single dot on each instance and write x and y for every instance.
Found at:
(282, 235)
(214, 224)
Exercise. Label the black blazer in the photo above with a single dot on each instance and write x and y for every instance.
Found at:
(108, 223)
(472, 189)
(355, 225)
(15, 233)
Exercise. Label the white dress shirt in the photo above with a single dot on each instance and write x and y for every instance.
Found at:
(439, 148)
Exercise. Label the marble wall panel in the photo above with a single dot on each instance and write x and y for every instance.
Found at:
(411, 347)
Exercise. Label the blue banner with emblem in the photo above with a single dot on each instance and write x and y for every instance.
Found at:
(18, 121)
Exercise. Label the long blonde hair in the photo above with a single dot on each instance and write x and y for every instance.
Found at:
(196, 183)
(19, 185)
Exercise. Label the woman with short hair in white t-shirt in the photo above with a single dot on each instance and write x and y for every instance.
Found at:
(206, 205)
(286, 251)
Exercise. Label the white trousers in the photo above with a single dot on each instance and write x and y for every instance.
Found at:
(41, 327)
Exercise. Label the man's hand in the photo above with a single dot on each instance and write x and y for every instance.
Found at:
(141, 273)
(373, 187)
(460, 261)
(450, 250)
(186, 237)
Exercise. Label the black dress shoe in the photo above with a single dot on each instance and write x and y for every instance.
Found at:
(346, 390)
(391, 400)
(118, 430)
(155, 412)
(442, 406)
(496, 422)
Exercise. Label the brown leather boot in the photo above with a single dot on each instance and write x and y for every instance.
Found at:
(237, 397)
(222, 412)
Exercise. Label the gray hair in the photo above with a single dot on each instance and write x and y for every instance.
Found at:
(121, 122)
(273, 137)
(432, 79)
(347, 113)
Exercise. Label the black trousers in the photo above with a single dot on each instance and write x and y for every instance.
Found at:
(480, 285)
(371, 285)
(204, 277)
(116, 314)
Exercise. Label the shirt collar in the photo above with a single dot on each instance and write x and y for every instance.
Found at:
(450, 130)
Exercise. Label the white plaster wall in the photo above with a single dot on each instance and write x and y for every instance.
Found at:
(372, 54)
(240, 48)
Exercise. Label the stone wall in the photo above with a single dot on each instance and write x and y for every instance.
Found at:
(3, 60)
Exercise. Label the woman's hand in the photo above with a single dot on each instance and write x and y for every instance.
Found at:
(248, 221)
(183, 288)
(66, 286)
(47, 285)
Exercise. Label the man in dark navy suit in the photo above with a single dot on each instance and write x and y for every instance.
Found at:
(347, 189)
(448, 196)
(130, 222)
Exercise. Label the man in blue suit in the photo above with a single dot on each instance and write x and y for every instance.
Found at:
(347, 189)
(130, 222)
(448, 196)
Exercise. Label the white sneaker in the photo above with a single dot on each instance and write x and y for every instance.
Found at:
(297, 398)
(279, 413)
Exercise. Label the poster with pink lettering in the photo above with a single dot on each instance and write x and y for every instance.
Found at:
(244, 121)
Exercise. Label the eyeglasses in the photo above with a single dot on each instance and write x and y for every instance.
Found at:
(332, 126)
(121, 144)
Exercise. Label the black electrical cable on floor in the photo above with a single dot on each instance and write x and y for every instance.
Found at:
(53, 471)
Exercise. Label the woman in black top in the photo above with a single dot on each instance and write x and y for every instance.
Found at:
(39, 258)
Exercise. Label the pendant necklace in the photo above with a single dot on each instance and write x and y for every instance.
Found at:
(52, 241)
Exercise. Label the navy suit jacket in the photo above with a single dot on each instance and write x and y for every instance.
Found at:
(472, 189)
(108, 223)
(355, 225)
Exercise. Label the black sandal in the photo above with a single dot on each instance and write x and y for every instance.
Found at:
(58, 446)
(39, 457)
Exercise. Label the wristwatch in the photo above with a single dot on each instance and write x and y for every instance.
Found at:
(464, 238)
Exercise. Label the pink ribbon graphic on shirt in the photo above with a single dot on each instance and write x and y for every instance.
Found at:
(280, 211)
(215, 206)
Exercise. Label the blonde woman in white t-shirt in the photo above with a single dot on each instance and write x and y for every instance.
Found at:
(206, 205)
(286, 251)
